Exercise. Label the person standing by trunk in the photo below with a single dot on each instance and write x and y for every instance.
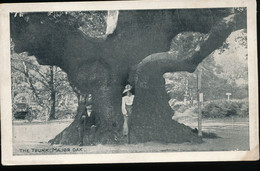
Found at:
(127, 103)
(89, 124)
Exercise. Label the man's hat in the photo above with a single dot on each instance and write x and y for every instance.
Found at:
(128, 87)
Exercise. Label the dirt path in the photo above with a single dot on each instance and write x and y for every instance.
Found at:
(31, 138)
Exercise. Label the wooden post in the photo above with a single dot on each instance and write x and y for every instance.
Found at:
(186, 92)
(199, 102)
(191, 97)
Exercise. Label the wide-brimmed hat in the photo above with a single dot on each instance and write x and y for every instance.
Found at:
(128, 87)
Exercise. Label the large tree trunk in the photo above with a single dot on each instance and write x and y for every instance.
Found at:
(105, 89)
(151, 119)
(152, 115)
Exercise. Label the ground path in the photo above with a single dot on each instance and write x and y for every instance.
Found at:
(31, 138)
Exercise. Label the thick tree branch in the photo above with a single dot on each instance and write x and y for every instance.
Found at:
(170, 61)
(218, 34)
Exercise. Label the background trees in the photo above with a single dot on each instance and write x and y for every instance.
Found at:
(45, 88)
(225, 70)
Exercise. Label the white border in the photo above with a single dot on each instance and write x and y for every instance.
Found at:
(6, 120)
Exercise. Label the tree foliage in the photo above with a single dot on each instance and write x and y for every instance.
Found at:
(225, 70)
(38, 83)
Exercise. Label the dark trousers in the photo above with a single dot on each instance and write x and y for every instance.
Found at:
(87, 135)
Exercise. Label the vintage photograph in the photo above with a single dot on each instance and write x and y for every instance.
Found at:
(127, 81)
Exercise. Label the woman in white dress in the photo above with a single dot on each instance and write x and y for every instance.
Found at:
(127, 103)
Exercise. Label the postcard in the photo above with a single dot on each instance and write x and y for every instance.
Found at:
(129, 82)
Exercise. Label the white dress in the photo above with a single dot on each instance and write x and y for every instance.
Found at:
(127, 102)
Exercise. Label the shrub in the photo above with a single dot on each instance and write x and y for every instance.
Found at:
(220, 109)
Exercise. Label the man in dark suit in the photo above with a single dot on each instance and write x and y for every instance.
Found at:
(89, 123)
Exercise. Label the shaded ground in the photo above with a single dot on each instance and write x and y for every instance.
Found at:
(31, 138)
